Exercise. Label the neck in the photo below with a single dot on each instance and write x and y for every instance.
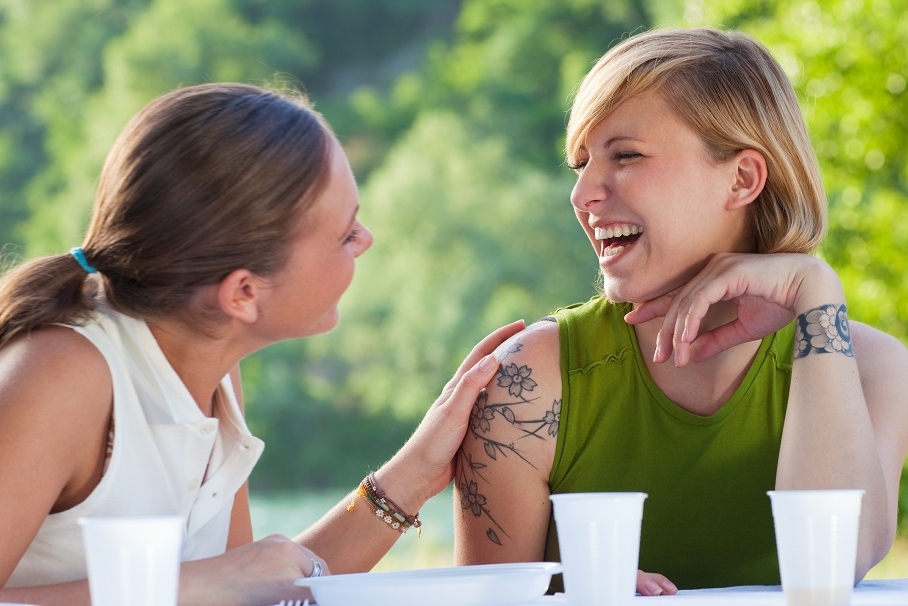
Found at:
(700, 388)
(199, 360)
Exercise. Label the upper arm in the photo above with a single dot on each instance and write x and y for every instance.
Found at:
(502, 503)
(883, 367)
(55, 405)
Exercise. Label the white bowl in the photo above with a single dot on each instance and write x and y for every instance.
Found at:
(480, 585)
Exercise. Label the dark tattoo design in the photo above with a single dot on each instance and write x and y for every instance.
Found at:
(823, 330)
(520, 385)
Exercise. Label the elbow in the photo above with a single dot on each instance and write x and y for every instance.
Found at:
(872, 549)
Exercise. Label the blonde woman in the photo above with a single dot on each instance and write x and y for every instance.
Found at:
(718, 362)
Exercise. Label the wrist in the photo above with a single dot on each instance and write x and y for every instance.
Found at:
(824, 329)
(402, 486)
(820, 286)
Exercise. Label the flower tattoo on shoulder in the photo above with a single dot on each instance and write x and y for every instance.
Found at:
(511, 426)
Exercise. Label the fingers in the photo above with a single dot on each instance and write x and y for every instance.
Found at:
(651, 583)
(484, 348)
(684, 309)
(472, 382)
(650, 310)
(317, 568)
(493, 340)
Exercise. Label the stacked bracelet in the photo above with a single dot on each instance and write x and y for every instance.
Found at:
(384, 508)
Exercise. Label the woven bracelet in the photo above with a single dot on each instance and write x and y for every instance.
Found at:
(384, 508)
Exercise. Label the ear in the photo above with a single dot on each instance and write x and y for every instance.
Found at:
(239, 295)
(749, 178)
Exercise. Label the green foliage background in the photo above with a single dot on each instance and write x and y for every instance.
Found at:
(452, 113)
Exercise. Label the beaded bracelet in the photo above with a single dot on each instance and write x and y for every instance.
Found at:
(384, 508)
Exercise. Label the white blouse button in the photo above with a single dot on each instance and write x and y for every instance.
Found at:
(193, 484)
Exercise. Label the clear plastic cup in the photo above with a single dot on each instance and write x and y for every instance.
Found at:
(816, 540)
(599, 541)
(133, 560)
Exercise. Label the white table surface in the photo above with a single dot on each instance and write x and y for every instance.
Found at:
(888, 592)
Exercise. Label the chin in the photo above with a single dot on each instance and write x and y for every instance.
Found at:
(613, 291)
(326, 324)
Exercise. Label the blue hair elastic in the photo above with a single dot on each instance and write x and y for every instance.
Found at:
(79, 256)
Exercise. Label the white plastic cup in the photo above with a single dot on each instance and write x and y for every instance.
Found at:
(816, 540)
(133, 560)
(599, 540)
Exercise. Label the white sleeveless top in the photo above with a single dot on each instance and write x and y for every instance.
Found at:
(167, 459)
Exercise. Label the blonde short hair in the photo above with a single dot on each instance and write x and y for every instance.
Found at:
(729, 90)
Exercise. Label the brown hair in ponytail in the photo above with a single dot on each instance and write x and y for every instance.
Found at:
(204, 180)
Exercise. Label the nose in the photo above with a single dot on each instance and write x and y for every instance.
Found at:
(589, 190)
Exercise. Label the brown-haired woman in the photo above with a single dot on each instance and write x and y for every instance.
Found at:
(698, 188)
(225, 220)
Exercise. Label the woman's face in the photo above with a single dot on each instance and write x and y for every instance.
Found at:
(653, 205)
(303, 297)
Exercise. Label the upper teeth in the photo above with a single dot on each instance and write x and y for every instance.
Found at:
(606, 233)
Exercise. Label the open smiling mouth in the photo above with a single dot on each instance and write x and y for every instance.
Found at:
(616, 238)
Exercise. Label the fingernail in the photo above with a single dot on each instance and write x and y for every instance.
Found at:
(488, 363)
(656, 353)
(653, 587)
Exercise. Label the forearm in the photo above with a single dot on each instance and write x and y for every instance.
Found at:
(74, 593)
(350, 537)
(828, 439)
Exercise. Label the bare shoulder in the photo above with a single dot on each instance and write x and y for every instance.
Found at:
(55, 404)
(507, 453)
(55, 383)
(52, 357)
(514, 422)
(537, 344)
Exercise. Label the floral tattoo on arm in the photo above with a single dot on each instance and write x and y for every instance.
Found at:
(520, 384)
(823, 330)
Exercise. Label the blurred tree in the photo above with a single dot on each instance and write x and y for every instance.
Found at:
(84, 67)
(510, 70)
(51, 66)
(468, 237)
(170, 44)
(314, 436)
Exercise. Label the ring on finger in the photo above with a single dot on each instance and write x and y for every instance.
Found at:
(316, 569)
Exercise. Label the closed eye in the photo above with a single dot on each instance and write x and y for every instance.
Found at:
(625, 156)
(351, 237)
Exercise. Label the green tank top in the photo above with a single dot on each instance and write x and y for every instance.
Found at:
(707, 521)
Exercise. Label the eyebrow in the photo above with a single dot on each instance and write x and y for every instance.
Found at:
(619, 139)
